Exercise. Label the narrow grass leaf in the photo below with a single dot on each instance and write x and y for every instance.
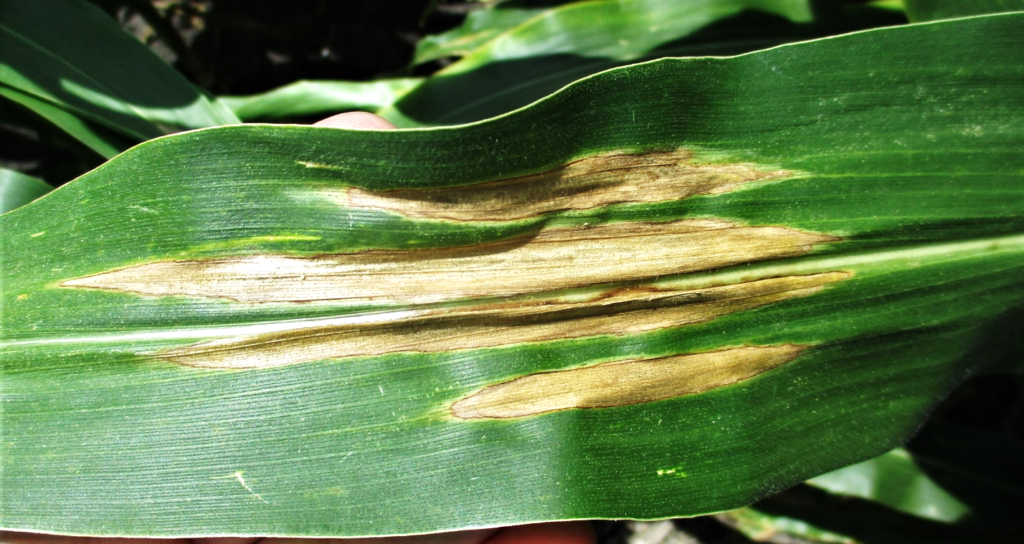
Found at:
(304, 98)
(17, 189)
(72, 55)
(306, 331)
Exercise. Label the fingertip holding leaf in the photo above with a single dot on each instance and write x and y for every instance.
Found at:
(356, 120)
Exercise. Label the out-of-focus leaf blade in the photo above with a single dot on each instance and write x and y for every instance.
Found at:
(933, 10)
(479, 27)
(896, 5)
(72, 55)
(980, 467)
(968, 478)
(103, 141)
(763, 527)
(818, 516)
(566, 43)
(319, 97)
(301, 331)
(41, 149)
(894, 479)
(17, 189)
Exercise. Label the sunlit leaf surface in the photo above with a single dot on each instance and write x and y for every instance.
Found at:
(319, 97)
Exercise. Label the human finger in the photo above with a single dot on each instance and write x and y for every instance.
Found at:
(571, 532)
(34, 538)
(356, 120)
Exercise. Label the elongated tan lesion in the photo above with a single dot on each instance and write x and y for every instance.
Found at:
(556, 258)
(622, 383)
(619, 311)
(592, 182)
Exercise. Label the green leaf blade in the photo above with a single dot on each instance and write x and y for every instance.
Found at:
(922, 255)
(69, 61)
(103, 141)
(319, 97)
(17, 189)
(934, 10)
(563, 44)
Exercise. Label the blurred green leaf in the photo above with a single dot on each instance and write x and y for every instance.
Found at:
(319, 97)
(71, 55)
(479, 27)
(39, 148)
(563, 44)
(933, 10)
(763, 527)
(893, 479)
(981, 468)
(103, 141)
(819, 516)
(896, 5)
(17, 189)
(969, 479)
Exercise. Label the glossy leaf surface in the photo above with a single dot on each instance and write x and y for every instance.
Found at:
(750, 271)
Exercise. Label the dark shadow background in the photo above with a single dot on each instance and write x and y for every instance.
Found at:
(243, 47)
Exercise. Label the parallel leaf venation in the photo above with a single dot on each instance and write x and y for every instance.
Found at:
(601, 180)
(620, 311)
(556, 258)
(622, 383)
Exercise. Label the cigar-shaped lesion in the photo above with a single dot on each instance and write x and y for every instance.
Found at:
(591, 182)
(614, 312)
(622, 383)
(505, 292)
(553, 259)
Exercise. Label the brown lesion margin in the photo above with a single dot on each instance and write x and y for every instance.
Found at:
(614, 312)
(600, 180)
(622, 383)
(553, 259)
